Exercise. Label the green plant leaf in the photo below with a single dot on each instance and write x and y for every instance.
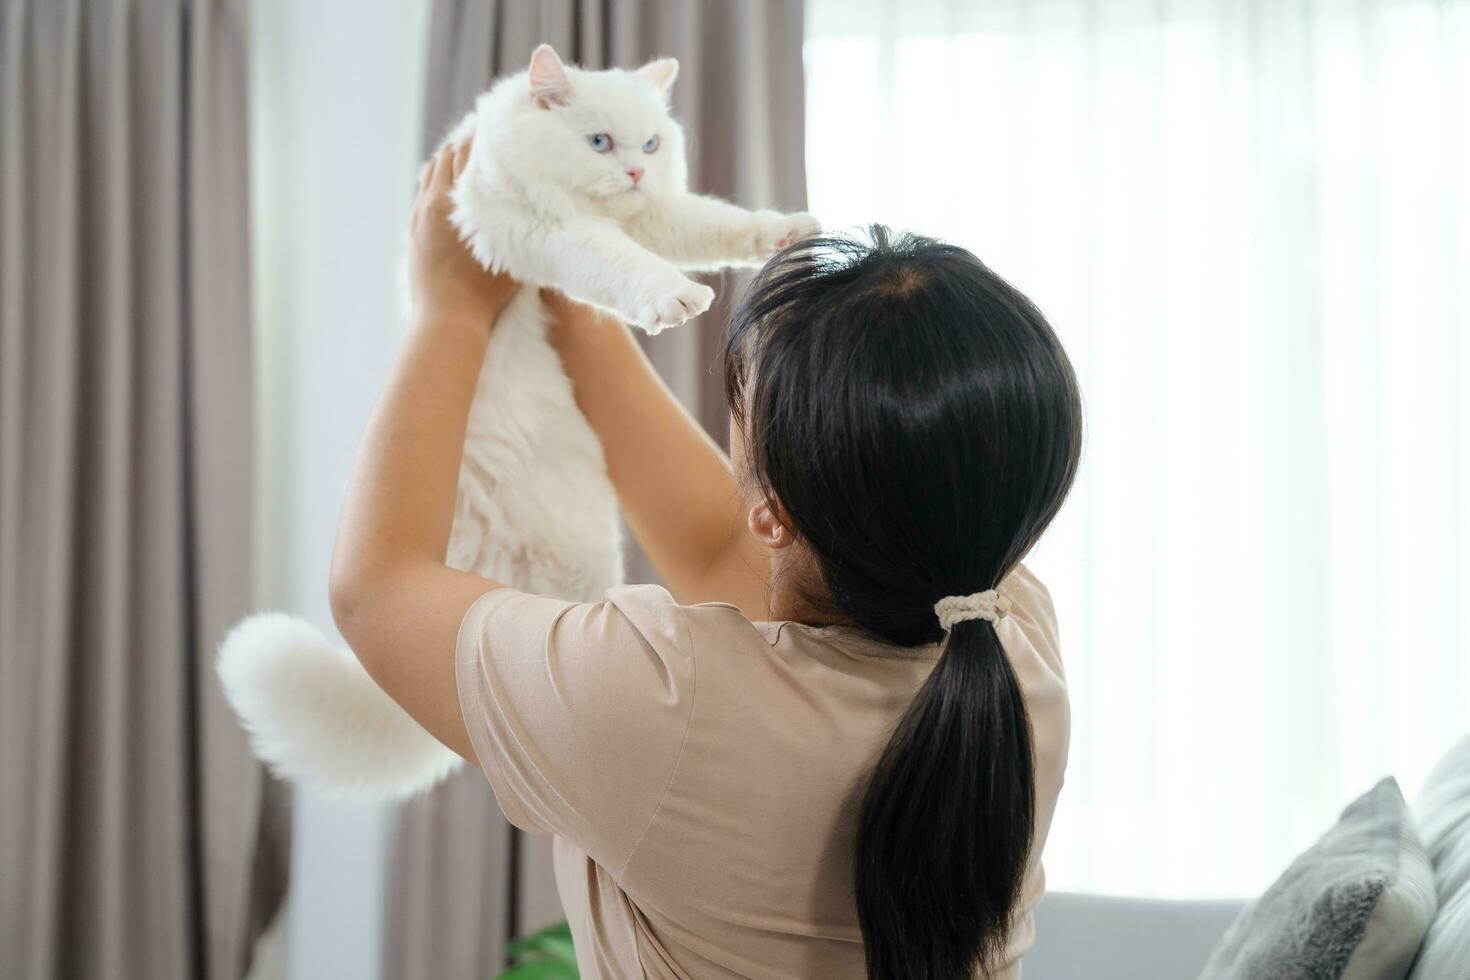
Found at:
(550, 947)
(544, 955)
(542, 970)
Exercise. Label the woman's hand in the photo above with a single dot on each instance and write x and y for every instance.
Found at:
(445, 281)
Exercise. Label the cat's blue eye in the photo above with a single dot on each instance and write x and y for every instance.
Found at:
(601, 142)
(652, 144)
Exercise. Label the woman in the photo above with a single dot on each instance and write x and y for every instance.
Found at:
(836, 748)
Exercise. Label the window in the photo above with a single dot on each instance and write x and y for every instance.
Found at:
(1250, 223)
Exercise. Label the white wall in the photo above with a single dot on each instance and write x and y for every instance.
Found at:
(336, 91)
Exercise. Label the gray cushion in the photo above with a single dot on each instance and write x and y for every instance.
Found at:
(1356, 904)
(1442, 813)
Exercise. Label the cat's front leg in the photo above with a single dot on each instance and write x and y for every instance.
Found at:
(774, 230)
(596, 262)
(589, 259)
(697, 232)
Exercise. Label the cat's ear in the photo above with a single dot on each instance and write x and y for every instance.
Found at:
(549, 83)
(660, 74)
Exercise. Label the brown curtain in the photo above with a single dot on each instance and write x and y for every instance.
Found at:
(461, 881)
(135, 839)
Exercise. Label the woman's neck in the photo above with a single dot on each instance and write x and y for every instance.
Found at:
(797, 593)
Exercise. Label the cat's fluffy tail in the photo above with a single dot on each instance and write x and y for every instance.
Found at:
(314, 715)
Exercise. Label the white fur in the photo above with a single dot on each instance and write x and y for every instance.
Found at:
(535, 508)
(298, 696)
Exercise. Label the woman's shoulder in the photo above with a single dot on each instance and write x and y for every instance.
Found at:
(654, 606)
(1034, 612)
(743, 644)
(653, 609)
(1030, 638)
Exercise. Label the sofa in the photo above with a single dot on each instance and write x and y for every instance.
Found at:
(1098, 937)
(1093, 937)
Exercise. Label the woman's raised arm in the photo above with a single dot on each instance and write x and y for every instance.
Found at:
(395, 601)
(675, 486)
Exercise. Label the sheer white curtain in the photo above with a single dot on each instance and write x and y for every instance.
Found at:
(1250, 223)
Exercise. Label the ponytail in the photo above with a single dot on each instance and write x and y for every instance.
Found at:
(946, 824)
(917, 421)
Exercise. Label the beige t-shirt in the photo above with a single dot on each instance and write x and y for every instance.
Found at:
(701, 772)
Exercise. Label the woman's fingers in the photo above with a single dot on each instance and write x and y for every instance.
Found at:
(444, 166)
(435, 183)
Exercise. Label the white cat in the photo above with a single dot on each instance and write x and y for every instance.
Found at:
(578, 180)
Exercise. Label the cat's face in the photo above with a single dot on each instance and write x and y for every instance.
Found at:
(604, 134)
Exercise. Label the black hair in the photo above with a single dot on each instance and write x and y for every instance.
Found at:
(919, 424)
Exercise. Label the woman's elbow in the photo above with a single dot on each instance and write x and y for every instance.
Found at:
(350, 592)
(370, 597)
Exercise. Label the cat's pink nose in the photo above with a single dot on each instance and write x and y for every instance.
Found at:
(636, 173)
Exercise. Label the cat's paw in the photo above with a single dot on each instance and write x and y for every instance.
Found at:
(671, 306)
(774, 231)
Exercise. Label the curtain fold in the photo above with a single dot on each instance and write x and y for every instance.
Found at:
(461, 881)
(134, 827)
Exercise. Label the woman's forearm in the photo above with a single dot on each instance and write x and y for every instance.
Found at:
(674, 484)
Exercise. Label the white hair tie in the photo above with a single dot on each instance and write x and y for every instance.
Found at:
(989, 604)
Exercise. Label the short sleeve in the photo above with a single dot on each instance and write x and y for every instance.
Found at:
(578, 711)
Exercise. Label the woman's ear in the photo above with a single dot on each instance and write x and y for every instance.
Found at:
(768, 523)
